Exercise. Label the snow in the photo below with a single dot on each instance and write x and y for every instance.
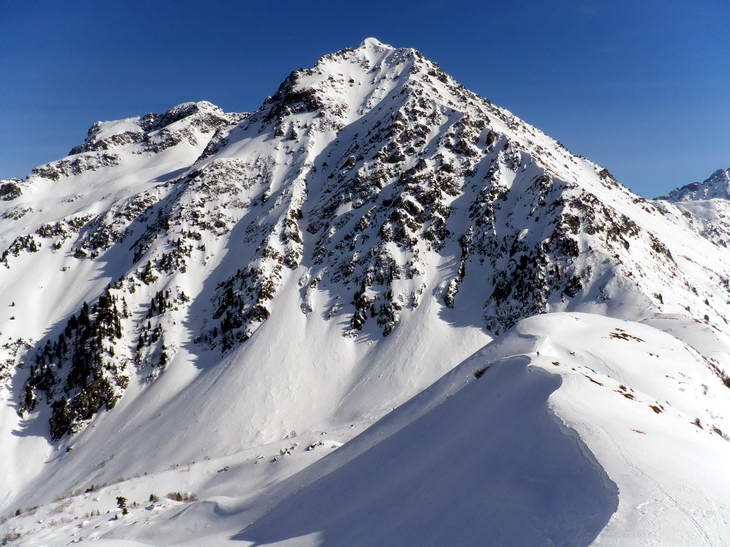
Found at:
(604, 424)
(555, 443)
(462, 473)
(374, 43)
(717, 185)
(104, 130)
(547, 428)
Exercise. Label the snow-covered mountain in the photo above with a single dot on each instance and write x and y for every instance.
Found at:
(716, 185)
(188, 291)
(706, 206)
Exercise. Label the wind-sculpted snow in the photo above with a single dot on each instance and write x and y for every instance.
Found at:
(489, 465)
(568, 429)
(317, 261)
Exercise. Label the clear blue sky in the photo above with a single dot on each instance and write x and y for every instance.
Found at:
(641, 86)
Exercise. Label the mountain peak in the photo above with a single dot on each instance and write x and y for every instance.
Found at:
(373, 43)
(104, 135)
(717, 185)
(341, 86)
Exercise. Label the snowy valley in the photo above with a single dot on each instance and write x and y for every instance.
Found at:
(377, 310)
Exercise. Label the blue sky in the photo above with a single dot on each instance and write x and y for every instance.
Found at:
(639, 86)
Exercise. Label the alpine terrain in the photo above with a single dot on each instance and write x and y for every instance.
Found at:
(377, 310)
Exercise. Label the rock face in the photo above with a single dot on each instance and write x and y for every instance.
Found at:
(9, 190)
(372, 188)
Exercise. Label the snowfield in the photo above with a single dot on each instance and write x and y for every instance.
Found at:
(579, 429)
(378, 310)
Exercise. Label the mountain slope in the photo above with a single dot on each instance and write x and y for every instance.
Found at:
(501, 450)
(569, 429)
(706, 206)
(308, 266)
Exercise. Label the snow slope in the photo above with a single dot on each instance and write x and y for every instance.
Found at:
(185, 290)
(570, 410)
(569, 429)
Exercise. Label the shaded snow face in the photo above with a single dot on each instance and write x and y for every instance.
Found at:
(489, 465)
